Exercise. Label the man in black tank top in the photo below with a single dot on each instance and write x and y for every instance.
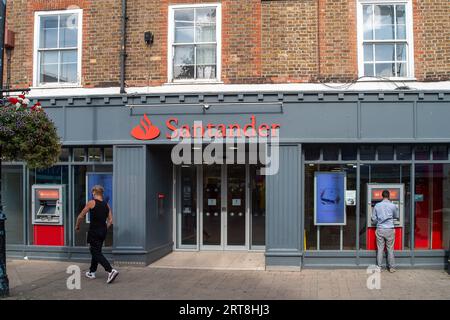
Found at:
(101, 220)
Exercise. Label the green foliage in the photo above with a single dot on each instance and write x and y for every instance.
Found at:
(28, 134)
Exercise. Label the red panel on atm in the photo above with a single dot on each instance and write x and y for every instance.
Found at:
(48, 235)
(48, 194)
(394, 194)
(372, 238)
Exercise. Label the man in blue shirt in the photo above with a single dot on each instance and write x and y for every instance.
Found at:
(383, 216)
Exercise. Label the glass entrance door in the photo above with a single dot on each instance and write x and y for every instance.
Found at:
(212, 211)
(214, 207)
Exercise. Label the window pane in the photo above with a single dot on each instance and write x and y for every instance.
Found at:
(401, 32)
(400, 12)
(79, 154)
(349, 152)
(68, 31)
(184, 55)
(401, 69)
(330, 152)
(368, 70)
(367, 20)
(68, 72)
(384, 52)
(312, 152)
(385, 69)
(69, 56)
(94, 154)
(205, 33)
(367, 153)
(48, 32)
(401, 52)
(440, 153)
(108, 154)
(386, 152)
(184, 32)
(404, 152)
(384, 14)
(184, 15)
(64, 155)
(205, 15)
(206, 72)
(422, 152)
(48, 67)
(206, 54)
(368, 52)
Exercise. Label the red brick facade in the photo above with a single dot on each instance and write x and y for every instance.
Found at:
(277, 41)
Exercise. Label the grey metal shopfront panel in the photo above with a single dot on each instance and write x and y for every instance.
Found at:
(283, 217)
(433, 120)
(130, 199)
(387, 120)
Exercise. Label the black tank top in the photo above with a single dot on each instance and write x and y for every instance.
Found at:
(98, 215)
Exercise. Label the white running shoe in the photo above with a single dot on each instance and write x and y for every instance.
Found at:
(112, 275)
(90, 275)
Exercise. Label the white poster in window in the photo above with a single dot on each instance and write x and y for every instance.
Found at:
(350, 197)
(212, 202)
(236, 202)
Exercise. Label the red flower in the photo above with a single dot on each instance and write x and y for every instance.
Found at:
(37, 107)
(21, 96)
(13, 100)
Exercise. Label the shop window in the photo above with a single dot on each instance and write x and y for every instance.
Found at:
(58, 47)
(432, 204)
(312, 152)
(98, 174)
(385, 152)
(79, 154)
(108, 154)
(187, 217)
(94, 154)
(404, 152)
(194, 36)
(330, 237)
(385, 39)
(440, 152)
(367, 152)
(64, 155)
(384, 174)
(12, 200)
(349, 152)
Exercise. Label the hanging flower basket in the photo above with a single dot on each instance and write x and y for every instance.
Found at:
(27, 133)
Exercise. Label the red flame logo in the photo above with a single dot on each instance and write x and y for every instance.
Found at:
(145, 130)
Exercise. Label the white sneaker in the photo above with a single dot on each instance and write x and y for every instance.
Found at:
(112, 275)
(90, 275)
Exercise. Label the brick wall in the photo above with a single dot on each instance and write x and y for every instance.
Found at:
(432, 39)
(263, 41)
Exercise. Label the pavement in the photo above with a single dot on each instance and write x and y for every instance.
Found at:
(33, 279)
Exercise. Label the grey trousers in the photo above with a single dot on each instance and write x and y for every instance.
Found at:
(385, 237)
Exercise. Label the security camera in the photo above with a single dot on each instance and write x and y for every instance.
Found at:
(206, 106)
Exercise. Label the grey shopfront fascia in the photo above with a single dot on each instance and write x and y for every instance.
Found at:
(142, 236)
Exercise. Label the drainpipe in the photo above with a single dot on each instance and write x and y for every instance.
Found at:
(123, 54)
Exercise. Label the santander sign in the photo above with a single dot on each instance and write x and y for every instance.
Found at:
(145, 130)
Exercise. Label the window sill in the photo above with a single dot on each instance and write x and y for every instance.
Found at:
(65, 86)
(375, 79)
(193, 82)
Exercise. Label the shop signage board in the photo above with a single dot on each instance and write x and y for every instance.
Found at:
(329, 198)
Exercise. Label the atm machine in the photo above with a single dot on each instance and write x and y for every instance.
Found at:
(47, 209)
(397, 196)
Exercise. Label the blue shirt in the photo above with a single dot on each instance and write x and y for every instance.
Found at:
(384, 213)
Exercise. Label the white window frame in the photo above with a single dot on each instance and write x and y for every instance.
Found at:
(409, 37)
(36, 64)
(170, 40)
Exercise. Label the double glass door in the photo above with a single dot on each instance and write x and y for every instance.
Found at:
(214, 206)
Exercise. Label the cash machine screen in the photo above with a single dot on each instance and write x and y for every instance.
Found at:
(394, 195)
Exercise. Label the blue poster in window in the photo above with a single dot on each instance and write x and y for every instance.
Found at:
(329, 198)
(103, 179)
